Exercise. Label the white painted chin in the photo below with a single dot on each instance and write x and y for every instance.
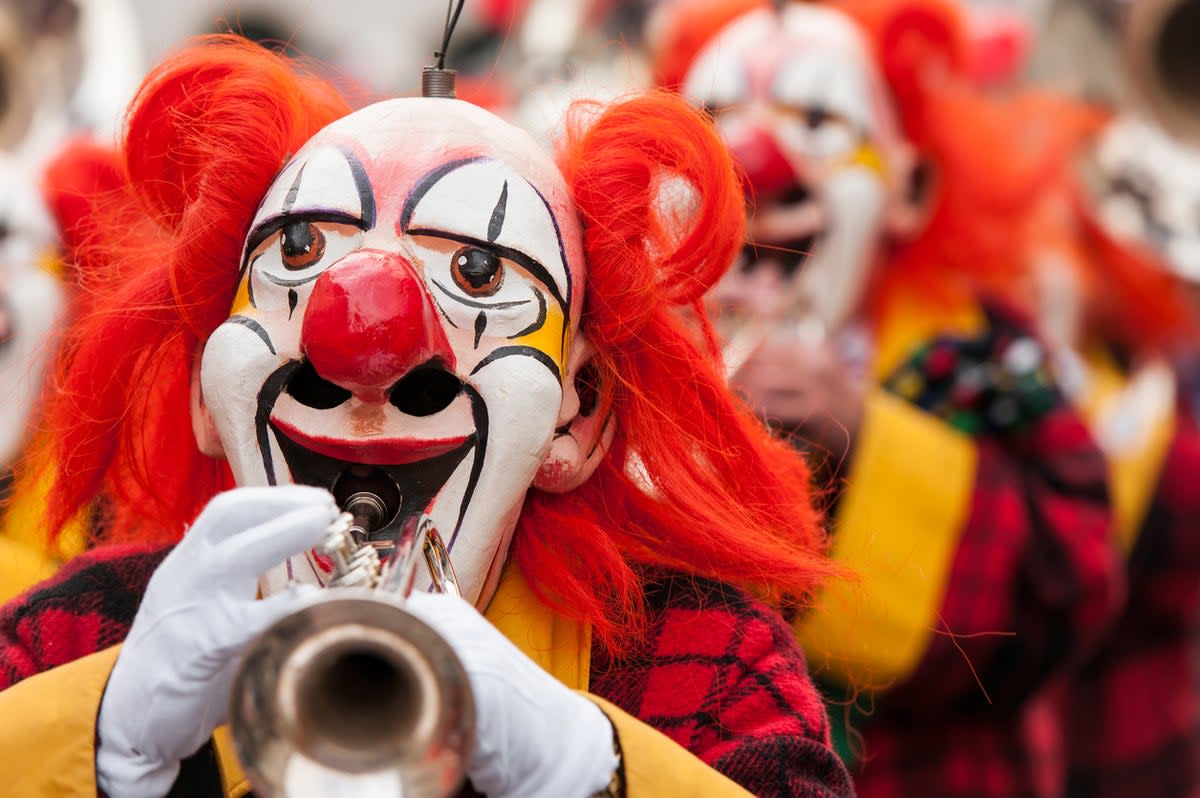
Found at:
(830, 287)
(35, 301)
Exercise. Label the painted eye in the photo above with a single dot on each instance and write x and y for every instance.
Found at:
(301, 244)
(476, 271)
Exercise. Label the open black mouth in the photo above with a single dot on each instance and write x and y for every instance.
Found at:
(405, 490)
(790, 255)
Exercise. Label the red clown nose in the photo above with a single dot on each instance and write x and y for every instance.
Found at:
(369, 322)
(766, 173)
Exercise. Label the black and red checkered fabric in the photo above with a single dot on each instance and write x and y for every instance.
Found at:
(1033, 587)
(717, 672)
(86, 607)
(721, 675)
(1129, 721)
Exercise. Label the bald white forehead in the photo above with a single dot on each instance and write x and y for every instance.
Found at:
(438, 165)
(438, 126)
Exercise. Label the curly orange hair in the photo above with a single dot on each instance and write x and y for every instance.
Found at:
(714, 494)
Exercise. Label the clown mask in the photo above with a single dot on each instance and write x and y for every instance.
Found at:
(31, 299)
(806, 114)
(409, 295)
(1144, 190)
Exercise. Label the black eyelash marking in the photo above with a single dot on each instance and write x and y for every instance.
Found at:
(290, 200)
(362, 183)
(482, 305)
(293, 298)
(538, 322)
(496, 223)
(254, 326)
(480, 326)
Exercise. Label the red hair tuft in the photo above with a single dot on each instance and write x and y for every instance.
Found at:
(207, 132)
(693, 481)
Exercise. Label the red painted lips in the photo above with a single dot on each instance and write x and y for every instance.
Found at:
(375, 451)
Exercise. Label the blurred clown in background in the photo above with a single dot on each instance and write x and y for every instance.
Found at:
(874, 318)
(67, 67)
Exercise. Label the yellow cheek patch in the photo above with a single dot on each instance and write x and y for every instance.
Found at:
(241, 300)
(868, 157)
(50, 261)
(550, 338)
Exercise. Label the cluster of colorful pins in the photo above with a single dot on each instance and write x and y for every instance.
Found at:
(994, 383)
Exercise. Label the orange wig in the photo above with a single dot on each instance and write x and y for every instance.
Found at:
(714, 495)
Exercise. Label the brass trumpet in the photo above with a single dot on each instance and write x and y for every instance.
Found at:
(353, 695)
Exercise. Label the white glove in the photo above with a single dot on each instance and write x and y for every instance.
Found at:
(170, 686)
(535, 738)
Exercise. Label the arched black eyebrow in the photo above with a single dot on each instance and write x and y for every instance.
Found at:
(516, 256)
(422, 186)
(270, 225)
(273, 224)
(362, 183)
(539, 271)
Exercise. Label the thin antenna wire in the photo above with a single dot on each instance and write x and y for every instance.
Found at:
(451, 23)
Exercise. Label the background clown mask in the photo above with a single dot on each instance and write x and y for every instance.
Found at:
(409, 292)
(807, 116)
(1144, 190)
(31, 301)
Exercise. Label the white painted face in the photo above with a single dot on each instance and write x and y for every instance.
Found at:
(806, 114)
(31, 301)
(410, 287)
(1144, 190)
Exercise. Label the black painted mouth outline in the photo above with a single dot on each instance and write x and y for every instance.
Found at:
(419, 482)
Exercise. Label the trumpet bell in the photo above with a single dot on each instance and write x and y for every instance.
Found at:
(353, 696)
(1163, 58)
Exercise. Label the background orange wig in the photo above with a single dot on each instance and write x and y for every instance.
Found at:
(207, 133)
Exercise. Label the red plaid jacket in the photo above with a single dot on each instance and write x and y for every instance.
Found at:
(1033, 586)
(717, 672)
(1129, 722)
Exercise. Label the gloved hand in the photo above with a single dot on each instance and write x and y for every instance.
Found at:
(535, 737)
(170, 686)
